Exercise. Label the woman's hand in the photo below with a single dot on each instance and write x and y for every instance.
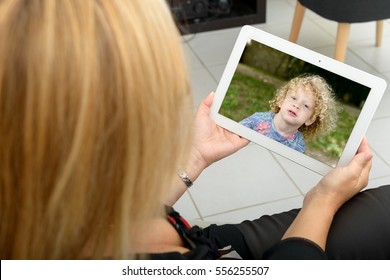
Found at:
(343, 183)
(211, 142)
(322, 202)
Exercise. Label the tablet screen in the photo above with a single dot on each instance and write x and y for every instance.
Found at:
(295, 102)
(267, 78)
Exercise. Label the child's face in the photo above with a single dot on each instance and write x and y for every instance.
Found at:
(298, 108)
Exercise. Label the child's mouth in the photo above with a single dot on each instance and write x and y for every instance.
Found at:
(292, 113)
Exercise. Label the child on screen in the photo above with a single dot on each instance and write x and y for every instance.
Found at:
(304, 107)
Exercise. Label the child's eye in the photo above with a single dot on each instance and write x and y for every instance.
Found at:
(293, 97)
(307, 106)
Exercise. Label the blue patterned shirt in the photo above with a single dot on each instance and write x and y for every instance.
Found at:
(264, 124)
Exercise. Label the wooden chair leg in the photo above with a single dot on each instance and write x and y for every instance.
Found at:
(342, 40)
(297, 22)
(379, 32)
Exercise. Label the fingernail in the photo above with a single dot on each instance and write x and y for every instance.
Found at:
(368, 156)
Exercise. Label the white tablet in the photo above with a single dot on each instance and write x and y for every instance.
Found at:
(302, 105)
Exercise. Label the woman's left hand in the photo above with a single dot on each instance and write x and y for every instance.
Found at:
(211, 142)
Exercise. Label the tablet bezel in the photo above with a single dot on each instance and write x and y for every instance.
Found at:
(376, 84)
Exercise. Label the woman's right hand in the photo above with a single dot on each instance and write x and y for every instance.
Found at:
(322, 201)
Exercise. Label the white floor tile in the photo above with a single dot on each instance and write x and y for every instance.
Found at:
(379, 167)
(366, 31)
(279, 12)
(255, 212)
(379, 58)
(247, 178)
(378, 135)
(310, 36)
(387, 75)
(379, 182)
(192, 61)
(186, 207)
(383, 108)
(358, 31)
(214, 48)
(217, 71)
(303, 178)
(202, 84)
(280, 30)
(355, 61)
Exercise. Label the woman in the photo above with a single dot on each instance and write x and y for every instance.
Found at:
(94, 121)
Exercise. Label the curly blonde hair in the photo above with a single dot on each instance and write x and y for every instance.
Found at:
(326, 107)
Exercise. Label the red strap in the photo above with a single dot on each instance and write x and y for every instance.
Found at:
(188, 226)
(182, 220)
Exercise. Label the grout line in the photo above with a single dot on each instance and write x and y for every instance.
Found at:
(351, 50)
(288, 175)
(380, 177)
(204, 65)
(291, 4)
(380, 118)
(379, 156)
(196, 207)
(251, 206)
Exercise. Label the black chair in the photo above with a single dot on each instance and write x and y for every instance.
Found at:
(344, 12)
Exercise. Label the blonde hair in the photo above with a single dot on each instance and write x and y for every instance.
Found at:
(94, 102)
(326, 107)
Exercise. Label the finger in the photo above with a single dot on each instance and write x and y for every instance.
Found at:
(209, 99)
(364, 146)
(360, 162)
(243, 142)
(204, 106)
(366, 174)
(239, 142)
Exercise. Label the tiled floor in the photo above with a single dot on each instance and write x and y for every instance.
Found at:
(255, 181)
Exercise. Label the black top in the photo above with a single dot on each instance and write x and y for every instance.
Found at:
(204, 247)
(350, 10)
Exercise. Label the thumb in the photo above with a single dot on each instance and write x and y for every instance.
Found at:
(205, 105)
(361, 166)
(360, 160)
(209, 100)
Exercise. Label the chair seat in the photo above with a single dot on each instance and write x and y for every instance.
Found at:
(350, 11)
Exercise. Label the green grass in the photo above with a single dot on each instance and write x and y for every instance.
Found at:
(333, 144)
(246, 95)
